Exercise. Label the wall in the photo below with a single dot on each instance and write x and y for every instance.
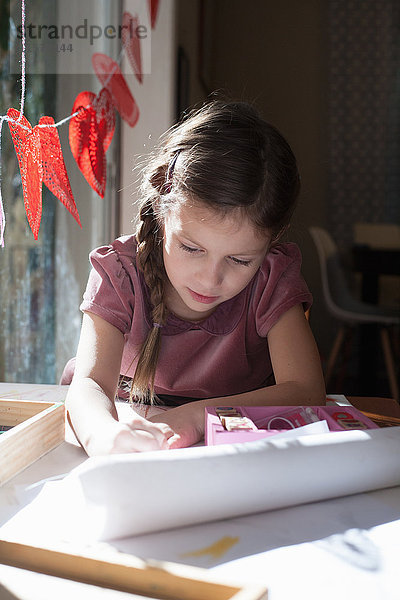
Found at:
(188, 25)
(271, 54)
(156, 101)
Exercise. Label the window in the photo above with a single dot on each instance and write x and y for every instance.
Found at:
(41, 282)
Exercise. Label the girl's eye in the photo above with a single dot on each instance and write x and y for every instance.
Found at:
(188, 248)
(237, 261)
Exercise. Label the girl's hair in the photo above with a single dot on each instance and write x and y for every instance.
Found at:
(226, 157)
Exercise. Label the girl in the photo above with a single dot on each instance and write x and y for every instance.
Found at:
(203, 306)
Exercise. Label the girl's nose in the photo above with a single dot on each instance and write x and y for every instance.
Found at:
(211, 277)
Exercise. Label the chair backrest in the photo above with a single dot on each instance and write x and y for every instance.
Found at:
(326, 247)
(327, 250)
(338, 298)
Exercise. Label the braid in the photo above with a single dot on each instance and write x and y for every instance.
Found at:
(151, 263)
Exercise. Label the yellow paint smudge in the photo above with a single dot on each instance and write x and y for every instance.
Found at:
(216, 550)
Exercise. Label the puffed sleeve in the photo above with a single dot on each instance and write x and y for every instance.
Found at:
(110, 288)
(279, 286)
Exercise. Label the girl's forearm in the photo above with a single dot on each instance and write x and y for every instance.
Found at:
(89, 409)
(282, 394)
(287, 393)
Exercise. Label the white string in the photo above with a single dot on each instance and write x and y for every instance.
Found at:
(2, 215)
(23, 61)
(5, 118)
(22, 105)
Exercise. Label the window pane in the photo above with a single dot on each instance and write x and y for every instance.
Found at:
(41, 282)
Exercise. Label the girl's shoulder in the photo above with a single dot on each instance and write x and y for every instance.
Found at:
(124, 246)
(279, 285)
(117, 261)
(280, 258)
(114, 284)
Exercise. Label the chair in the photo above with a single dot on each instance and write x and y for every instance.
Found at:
(349, 311)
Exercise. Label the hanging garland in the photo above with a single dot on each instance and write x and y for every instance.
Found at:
(91, 128)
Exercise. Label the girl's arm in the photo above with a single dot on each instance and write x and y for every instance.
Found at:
(298, 375)
(90, 399)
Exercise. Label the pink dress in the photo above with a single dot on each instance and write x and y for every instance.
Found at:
(225, 354)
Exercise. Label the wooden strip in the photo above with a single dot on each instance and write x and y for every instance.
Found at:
(28, 441)
(13, 412)
(126, 573)
(382, 420)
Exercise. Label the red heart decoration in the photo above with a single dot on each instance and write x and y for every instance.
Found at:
(27, 146)
(131, 43)
(54, 172)
(153, 9)
(81, 128)
(109, 73)
(105, 116)
(90, 134)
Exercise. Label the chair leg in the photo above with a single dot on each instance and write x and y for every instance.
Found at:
(345, 352)
(389, 362)
(395, 343)
(334, 353)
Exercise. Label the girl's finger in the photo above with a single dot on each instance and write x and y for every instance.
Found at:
(160, 431)
(134, 440)
(175, 441)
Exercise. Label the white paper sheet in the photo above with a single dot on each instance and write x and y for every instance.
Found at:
(125, 495)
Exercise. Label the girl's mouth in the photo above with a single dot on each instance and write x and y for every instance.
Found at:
(201, 298)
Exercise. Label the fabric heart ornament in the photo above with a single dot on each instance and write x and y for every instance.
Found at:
(90, 134)
(27, 147)
(131, 43)
(54, 172)
(105, 116)
(40, 161)
(109, 73)
(153, 9)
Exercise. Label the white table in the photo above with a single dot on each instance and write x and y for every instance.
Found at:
(345, 548)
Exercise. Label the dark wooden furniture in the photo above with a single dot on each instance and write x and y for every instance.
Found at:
(372, 263)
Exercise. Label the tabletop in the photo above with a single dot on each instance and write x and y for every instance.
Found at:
(344, 548)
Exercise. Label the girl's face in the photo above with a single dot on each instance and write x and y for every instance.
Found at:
(208, 258)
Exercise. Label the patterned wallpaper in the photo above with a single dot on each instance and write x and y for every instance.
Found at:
(363, 114)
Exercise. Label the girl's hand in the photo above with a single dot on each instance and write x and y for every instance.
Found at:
(135, 435)
(186, 422)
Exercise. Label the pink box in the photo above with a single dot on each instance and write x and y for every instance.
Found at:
(271, 420)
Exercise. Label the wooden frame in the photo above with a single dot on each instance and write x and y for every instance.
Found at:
(35, 428)
(126, 573)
